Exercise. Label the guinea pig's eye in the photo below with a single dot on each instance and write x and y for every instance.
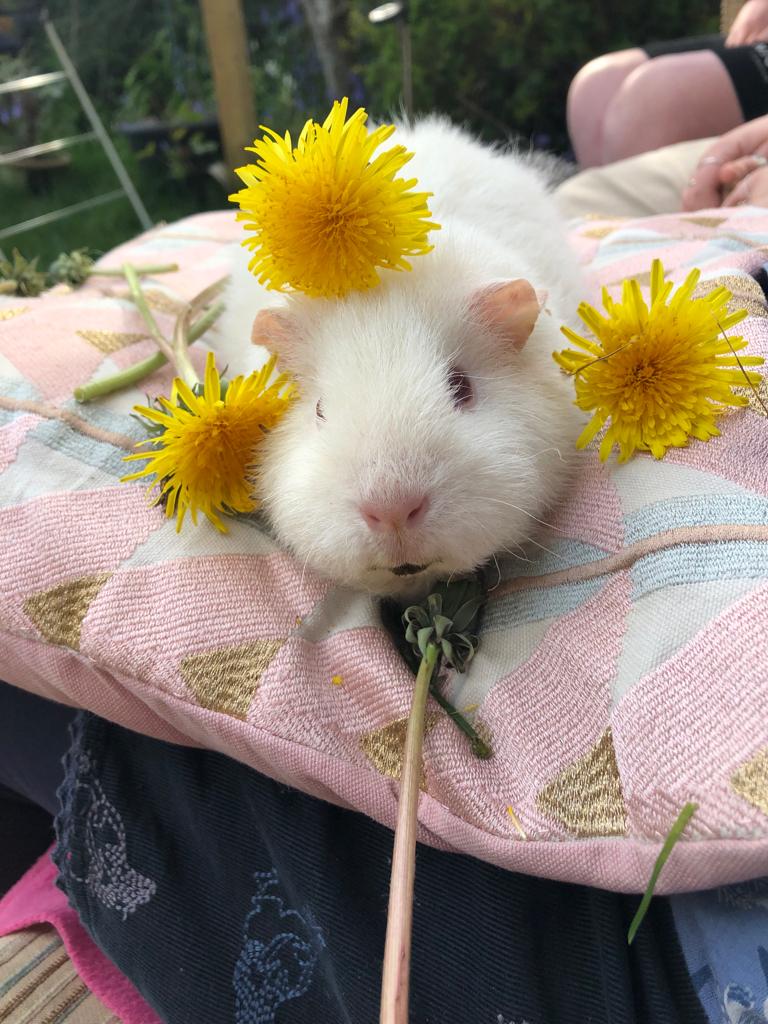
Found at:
(319, 410)
(461, 388)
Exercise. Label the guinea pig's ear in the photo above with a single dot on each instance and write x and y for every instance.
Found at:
(275, 330)
(510, 309)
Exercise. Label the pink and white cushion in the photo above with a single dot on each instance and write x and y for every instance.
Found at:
(620, 675)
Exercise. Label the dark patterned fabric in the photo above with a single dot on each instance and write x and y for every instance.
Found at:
(724, 935)
(33, 739)
(226, 897)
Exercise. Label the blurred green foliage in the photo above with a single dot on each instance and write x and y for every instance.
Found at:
(501, 66)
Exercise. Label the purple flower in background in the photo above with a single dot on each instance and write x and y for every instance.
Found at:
(356, 91)
(11, 111)
(293, 12)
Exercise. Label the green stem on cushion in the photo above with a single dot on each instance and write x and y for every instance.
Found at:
(674, 834)
(479, 747)
(159, 268)
(117, 381)
(183, 366)
(7, 287)
(136, 373)
(206, 320)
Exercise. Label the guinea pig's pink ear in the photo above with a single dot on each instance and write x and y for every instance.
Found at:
(510, 309)
(275, 330)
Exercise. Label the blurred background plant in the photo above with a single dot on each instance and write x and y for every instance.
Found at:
(500, 66)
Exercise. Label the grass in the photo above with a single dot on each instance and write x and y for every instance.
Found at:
(102, 228)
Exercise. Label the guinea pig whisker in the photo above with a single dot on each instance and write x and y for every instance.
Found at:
(498, 571)
(496, 376)
(529, 458)
(304, 567)
(520, 558)
(524, 511)
(545, 548)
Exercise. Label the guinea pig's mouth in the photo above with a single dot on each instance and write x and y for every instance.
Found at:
(408, 569)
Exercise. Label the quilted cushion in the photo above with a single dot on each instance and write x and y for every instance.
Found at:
(621, 673)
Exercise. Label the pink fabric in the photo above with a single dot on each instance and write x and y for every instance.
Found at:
(595, 501)
(659, 652)
(11, 437)
(35, 899)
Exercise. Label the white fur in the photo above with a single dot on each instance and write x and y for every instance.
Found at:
(379, 362)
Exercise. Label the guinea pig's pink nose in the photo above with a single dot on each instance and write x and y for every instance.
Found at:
(383, 516)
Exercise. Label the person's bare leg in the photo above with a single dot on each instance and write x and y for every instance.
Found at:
(670, 99)
(589, 95)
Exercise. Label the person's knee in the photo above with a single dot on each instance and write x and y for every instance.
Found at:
(590, 92)
(669, 99)
(644, 111)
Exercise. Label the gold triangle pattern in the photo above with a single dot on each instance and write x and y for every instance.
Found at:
(110, 341)
(600, 232)
(163, 303)
(385, 747)
(750, 780)
(586, 796)
(747, 293)
(643, 278)
(705, 222)
(227, 679)
(757, 400)
(58, 613)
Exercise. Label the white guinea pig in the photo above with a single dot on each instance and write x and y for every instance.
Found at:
(433, 428)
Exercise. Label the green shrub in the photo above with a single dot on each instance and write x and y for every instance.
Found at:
(504, 65)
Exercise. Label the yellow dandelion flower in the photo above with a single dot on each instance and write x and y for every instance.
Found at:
(327, 213)
(206, 449)
(658, 374)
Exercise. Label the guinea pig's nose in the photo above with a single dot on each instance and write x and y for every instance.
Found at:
(383, 516)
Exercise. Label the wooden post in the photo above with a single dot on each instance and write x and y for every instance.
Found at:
(228, 51)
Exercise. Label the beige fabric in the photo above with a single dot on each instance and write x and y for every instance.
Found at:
(39, 985)
(637, 187)
(728, 11)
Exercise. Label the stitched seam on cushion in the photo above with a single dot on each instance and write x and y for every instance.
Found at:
(629, 556)
(647, 841)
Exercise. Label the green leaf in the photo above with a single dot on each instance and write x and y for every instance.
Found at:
(434, 622)
(442, 625)
(71, 267)
(463, 651)
(416, 614)
(28, 279)
(423, 638)
(674, 834)
(466, 614)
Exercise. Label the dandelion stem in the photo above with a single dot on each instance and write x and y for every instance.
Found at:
(397, 948)
(479, 747)
(7, 287)
(124, 379)
(136, 373)
(206, 320)
(178, 358)
(159, 268)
